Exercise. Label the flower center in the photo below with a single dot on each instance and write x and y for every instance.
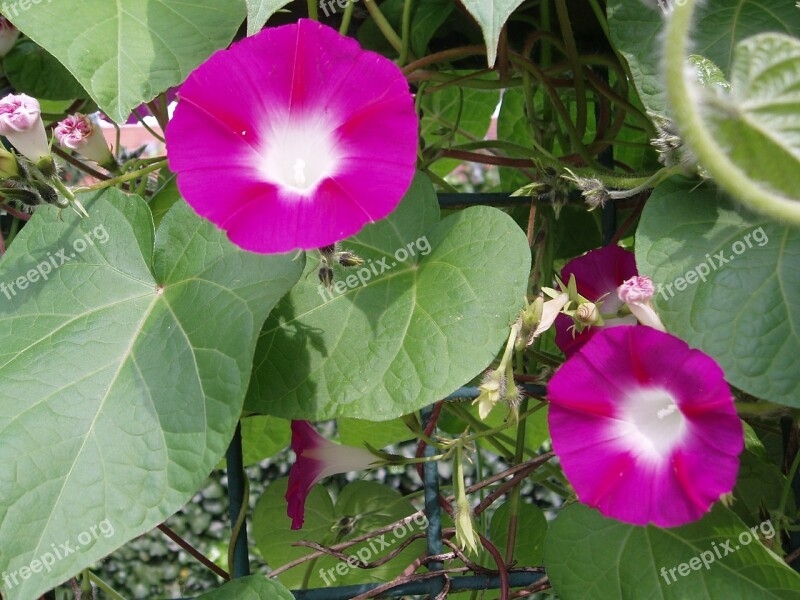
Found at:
(654, 423)
(300, 152)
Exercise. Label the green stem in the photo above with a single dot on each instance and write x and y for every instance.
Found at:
(123, 178)
(684, 99)
(238, 525)
(649, 183)
(313, 11)
(384, 26)
(575, 65)
(788, 485)
(346, 17)
(406, 31)
(105, 587)
(152, 131)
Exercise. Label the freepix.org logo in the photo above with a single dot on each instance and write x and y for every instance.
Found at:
(44, 269)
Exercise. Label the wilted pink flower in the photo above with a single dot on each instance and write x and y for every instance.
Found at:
(645, 427)
(637, 292)
(77, 132)
(294, 138)
(21, 123)
(598, 274)
(8, 36)
(317, 458)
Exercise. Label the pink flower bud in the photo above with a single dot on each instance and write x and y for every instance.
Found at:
(8, 36)
(21, 123)
(77, 132)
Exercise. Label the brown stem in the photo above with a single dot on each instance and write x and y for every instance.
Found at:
(194, 552)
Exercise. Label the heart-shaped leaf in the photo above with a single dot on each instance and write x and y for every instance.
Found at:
(729, 284)
(589, 557)
(427, 312)
(125, 359)
(128, 51)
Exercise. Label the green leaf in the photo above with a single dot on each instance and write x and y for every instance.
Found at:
(259, 12)
(491, 15)
(34, 71)
(122, 374)
(263, 437)
(590, 557)
(166, 196)
(429, 310)
(531, 533)
(128, 51)
(355, 432)
(453, 116)
(745, 311)
(635, 28)
(361, 508)
(252, 587)
(758, 124)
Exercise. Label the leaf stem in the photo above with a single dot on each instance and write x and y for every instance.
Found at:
(105, 587)
(406, 32)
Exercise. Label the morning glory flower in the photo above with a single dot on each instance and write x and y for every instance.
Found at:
(295, 137)
(598, 274)
(21, 122)
(317, 458)
(645, 427)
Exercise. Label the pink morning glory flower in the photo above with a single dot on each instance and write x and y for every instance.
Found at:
(21, 122)
(598, 274)
(294, 138)
(317, 458)
(77, 132)
(645, 427)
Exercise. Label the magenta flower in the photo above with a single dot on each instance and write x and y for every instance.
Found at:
(645, 427)
(598, 274)
(294, 138)
(317, 458)
(77, 132)
(21, 122)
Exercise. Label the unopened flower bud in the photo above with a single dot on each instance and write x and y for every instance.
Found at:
(21, 122)
(8, 36)
(326, 276)
(9, 166)
(77, 132)
(491, 391)
(587, 314)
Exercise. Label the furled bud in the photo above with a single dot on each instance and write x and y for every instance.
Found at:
(587, 314)
(77, 132)
(492, 389)
(9, 167)
(21, 122)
